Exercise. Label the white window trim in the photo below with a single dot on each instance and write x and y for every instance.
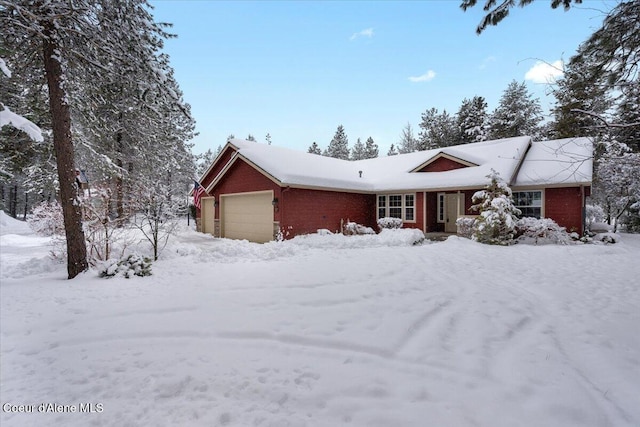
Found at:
(403, 206)
(441, 214)
(542, 198)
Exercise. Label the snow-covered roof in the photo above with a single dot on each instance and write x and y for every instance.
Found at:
(559, 162)
(297, 168)
(394, 172)
(519, 160)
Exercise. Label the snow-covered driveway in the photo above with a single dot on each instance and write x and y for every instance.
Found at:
(329, 332)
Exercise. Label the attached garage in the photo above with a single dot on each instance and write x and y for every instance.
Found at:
(247, 216)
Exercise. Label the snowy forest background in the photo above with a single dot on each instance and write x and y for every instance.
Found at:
(92, 76)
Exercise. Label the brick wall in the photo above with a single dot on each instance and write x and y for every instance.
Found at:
(564, 206)
(224, 159)
(243, 178)
(305, 211)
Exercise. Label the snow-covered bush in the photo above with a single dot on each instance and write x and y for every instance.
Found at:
(354, 229)
(394, 236)
(132, 265)
(607, 237)
(498, 215)
(466, 226)
(541, 231)
(390, 223)
(46, 219)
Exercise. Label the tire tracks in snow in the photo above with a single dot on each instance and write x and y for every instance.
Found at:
(417, 328)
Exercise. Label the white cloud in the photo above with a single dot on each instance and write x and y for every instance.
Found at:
(543, 72)
(368, 32)
(486, 61)
(428, 76)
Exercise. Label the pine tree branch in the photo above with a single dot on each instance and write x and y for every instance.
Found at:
(603, 120)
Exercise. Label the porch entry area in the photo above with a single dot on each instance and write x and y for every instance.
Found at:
(453, 208)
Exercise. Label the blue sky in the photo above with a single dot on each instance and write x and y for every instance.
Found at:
(298, 69)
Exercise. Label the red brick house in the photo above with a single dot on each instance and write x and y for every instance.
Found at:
(257, 191)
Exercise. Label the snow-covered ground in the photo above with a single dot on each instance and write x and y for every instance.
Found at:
(325, 331)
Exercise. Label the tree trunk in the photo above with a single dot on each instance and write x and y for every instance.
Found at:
(13, 201)
(26, 205)
(63, 148)
(119, 177)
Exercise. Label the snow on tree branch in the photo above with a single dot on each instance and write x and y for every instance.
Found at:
(9, 118)
(603, 120)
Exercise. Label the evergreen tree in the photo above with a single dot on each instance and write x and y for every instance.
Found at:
(371, 149)
(27, 174)
(106, 74)
(55, 33)
(358, 152)
(203, 161)
(497, 12)
(472, 120)
(314, 149)
(613, 51)
(517, 114)
(27, 165)
(339, 145)
(267, 138)
(408, 142)
(392, 151)
(438, 130)
(251, 138)
(628, 114)
(579, 89)
(498, 216)
(425, 140)
(444, 131)
(135, 108)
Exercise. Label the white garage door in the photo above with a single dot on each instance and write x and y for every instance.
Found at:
(248, 216)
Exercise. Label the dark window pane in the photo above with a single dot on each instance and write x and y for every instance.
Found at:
(395, 212)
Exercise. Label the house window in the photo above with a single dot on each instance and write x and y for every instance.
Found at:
(395, 206)
(382, 206)
(441, 216)
(529, 202)
(401, 206)
(409, 207)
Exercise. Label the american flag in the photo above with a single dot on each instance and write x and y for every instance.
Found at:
(198, 191)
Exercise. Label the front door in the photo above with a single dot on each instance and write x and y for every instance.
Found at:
(451, 213)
